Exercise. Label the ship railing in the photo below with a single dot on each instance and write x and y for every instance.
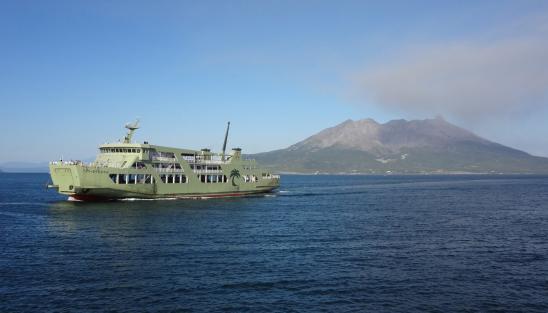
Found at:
(169, 170)
(201, 161)
(163, 159)
(207, 171)
(77, 162)
(106, 164)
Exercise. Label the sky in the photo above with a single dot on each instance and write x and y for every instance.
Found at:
(72, 73)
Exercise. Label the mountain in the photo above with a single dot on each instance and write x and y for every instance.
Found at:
(400, 146)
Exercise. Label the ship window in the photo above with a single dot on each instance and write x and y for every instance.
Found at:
(163, 178)
(138, 150)
(170, 179)
(209, 179)
(177, 179)
(138, 165)
(122, 179)
(113, 177)
(183, 179)
(131, 179)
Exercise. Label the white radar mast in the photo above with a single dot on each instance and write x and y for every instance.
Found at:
(132, 127)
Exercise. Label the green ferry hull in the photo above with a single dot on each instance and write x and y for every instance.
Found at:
(144, 171)
(84, 183)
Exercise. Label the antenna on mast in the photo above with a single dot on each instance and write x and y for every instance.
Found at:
(132, 127)
(226, 138)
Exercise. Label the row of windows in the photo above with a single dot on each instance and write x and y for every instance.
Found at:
(213, 179)
(176, 166)
(173, 179)
(138, 165)
(205, 167)
(161, 154)
(132, 178)
(120, 150)
(251, 178)
(197, 157)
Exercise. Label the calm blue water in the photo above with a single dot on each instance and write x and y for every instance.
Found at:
(323, 243)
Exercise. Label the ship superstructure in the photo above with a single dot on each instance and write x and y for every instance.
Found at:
(134, 170)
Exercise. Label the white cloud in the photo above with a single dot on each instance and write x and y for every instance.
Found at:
(467, 80)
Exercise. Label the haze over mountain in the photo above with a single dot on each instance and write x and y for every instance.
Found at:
(400, 146)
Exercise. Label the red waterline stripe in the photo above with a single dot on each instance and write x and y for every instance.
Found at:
(214, 195)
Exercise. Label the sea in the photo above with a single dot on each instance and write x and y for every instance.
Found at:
(462, 243)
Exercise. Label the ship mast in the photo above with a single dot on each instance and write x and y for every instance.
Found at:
(132, 127)
(226, 138)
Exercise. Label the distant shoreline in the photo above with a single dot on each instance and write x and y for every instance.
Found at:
(4, 171)
(405, 174)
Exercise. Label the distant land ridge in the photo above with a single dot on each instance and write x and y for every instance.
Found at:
(400, 146)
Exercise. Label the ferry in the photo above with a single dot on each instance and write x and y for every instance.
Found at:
(126, 169)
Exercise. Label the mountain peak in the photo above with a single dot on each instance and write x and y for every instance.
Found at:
(406, 146)
(390, 137)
